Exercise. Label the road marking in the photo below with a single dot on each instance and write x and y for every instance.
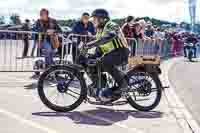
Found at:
(27, 122)
(184, 117)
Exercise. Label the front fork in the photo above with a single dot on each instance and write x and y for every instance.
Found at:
(99, 87)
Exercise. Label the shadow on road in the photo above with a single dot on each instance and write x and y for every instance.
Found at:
(194, 61)
(101, 116)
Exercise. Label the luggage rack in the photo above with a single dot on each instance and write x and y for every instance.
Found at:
(143, 60)
(146, 52)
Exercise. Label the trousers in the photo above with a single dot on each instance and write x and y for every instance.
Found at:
(110, 63)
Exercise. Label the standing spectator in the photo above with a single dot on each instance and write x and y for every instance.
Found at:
(35, 40)
(142, 23)
(167, 44)
(49, 41)
(137, 31)
(150, 30)
(127, 29)
(26, 27)
(82, 27)
(176, 44)
(159, 34)
(181, 45)
(198, 45)
(137, 34)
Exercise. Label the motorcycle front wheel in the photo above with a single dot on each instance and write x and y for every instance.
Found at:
(62, 88)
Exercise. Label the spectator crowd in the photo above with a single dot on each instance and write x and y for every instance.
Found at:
(170, 39)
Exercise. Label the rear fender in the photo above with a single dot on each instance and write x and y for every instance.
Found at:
(148, 68)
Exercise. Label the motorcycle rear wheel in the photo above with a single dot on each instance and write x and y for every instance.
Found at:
(158, 86)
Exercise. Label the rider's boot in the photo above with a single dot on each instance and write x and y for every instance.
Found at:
(123, 87)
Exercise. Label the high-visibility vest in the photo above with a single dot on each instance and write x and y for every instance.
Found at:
(115, 43)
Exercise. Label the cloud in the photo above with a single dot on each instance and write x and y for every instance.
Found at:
(165, 1)
(173, 10)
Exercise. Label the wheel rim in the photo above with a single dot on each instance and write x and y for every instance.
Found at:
(143, 89)
(62, 88)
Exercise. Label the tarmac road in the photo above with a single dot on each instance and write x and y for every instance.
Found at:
(185, 77)
(22, 111)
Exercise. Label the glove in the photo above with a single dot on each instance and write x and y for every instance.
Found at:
(87, 47)
(91, 44)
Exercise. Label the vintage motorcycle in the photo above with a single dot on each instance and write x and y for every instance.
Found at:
(63, 88)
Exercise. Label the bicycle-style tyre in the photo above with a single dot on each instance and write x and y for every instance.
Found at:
(67, 70)
(155, 79)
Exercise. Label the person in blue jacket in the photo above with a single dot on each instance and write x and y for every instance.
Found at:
(82, 27)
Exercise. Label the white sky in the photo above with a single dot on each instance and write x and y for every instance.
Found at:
(172, 10)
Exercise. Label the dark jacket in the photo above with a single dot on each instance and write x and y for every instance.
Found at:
(137, 36)
(149, 32)
(78, 28)
(192, 40)
(127, 30)
(26, 27)
(42, 26)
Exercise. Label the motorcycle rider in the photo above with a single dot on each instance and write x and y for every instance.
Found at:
(194, 41)
(111, 46)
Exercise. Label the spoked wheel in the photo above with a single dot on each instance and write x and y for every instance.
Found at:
(145, 90)
(62, 89)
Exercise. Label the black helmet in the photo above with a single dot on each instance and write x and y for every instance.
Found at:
(100, 13)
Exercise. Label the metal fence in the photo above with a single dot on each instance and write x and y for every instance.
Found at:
(19, 50)
(11, 51)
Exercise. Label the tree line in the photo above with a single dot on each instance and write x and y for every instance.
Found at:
(15, 19)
